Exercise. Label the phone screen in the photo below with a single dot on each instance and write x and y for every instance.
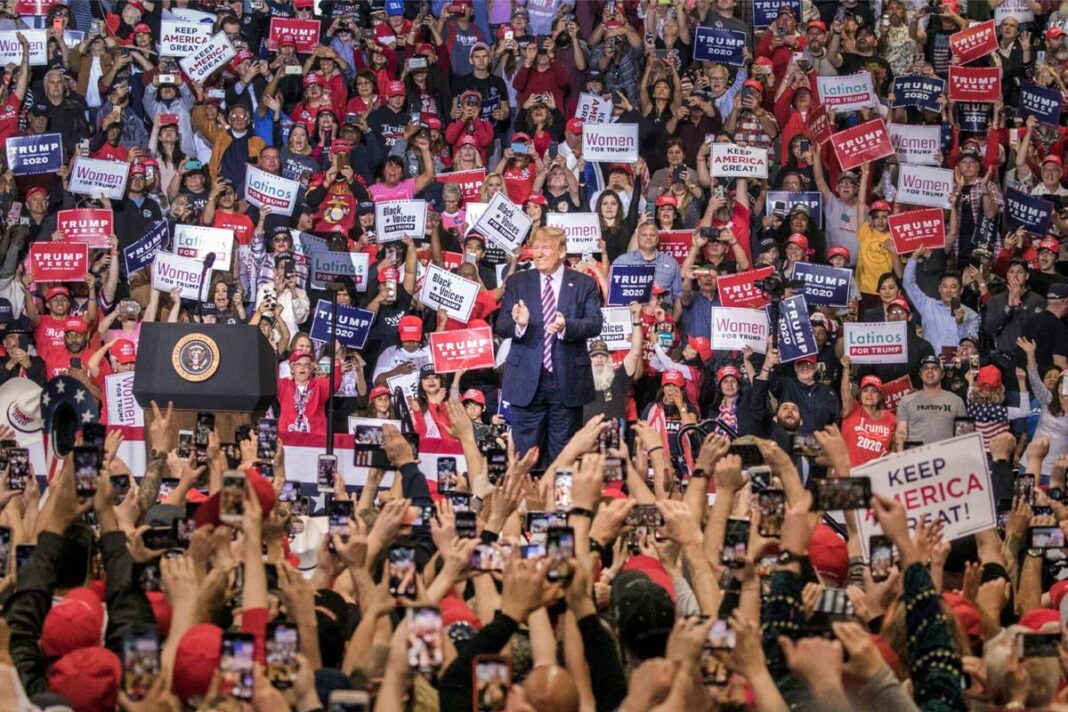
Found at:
(735, 543)
(339, 514)
(267, 438)
(772, 512)
(537, 527)
(281, 655)
(493, 679)
(559, 548)
(562, 481)
(235, 665)
(232, 498)
(140, 664)
(881, 553)
(185, 443)
(749, 453)
(644, 515)
(326, 470)
(425, 652)
(841, 493)
(496, 465)
(18, 463)
(86, 469)
(466, 526)
(402, 572)
(447, 474)
(721, 635)
(5, 549)
(1025, 488)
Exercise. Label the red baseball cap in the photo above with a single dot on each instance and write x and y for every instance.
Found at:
(811, 358)
(900, 303)
(340, 145)
(1054, 158)
(313, 78)
(574, 126)
(667, 200)
(816, 24)
(1050, 243)
(520, 137)
(1054, 32)
(88, 678)
(828, 554)
(880, 206)
(410, 328)
(672, 378)
(466, 140)
(799, 240)
(196, 660)
(657, 289)
(124, 351)
(473, 394)
(56, 292)
(873, 381)
(136, 169)
(988, 377)
(702, 346)
(537, 199)
(838, 252)
(727, 372)
(36, 190)
(395, 88)
(76, 323)
(209, 510)
(75, 622)
(377, 392)
(753, 84)
(141, 27)
(299, 354)
(287, 40)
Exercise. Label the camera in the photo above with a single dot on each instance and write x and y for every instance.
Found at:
(774, 284)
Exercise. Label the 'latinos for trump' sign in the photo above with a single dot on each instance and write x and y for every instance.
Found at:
(924, 185)
(850, 92)
(89, 225)
(264, 189)
(198, 242)
(58, 261)
(610, 143)
(466, 349)
(30, 155)
(862, 143)
(918, 228)
(876, 341)
(979, 84)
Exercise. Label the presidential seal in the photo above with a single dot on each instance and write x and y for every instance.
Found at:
(195, 357)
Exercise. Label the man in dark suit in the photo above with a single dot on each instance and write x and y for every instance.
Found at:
(548, 312)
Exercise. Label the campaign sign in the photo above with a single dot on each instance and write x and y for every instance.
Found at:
(630, 283)
(676, 243)
(503, 223)
(398, 219)
(353, 324)
(583, 230)
(187, 274)
(96, 177)
(862, 143)
(796, 339)
(198, 242)
(819, 125)
(593, 109)
(740, 290)
(209, 57)
(973, 117)
(1042, 103)
(11, 48)
(824, 285)
(610, 143)
(407, 382)
(980, 84)
(264, 189)
(711, 44)
(141, 253)
(451, 292)
(947, 481)
(918, 228)
(327, 266)
(305, 32)
(766, 12)
(1030, 212)
(616, 328)
(876, 341)
(58, 261)
(894, 391)
(122, 406)
(470, 182)
(918, 90)
(181, 39)
(974, 42)
(489, 105)
(813, 199)
(89, 225)
(467, 349)
(1020, 10)
(731, 161)
(924, 185)
(917, 144)
(850, 92)
(733, 329)
(29, 155)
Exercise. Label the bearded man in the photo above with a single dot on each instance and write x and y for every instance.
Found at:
(611, 383)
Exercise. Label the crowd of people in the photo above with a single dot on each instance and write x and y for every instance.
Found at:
(620, 516)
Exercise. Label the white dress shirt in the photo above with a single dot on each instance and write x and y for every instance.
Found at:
(557, 278)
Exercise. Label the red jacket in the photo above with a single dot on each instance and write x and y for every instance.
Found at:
(529, 81)
(314, 409)
(482, 131)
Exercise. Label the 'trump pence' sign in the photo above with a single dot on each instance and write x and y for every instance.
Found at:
(610, 143)
(947, 481)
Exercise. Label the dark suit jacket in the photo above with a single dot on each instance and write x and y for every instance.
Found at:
(580, 303)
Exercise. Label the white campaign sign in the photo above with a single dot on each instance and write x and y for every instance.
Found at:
(610, 143)
(94, 177)
(924, 185)
(210, 56)
(850, 92)
(593, 109)
(198, 242)
(266, 189)
(616, 328)
(444, 290)
(11, 48)
(181, 39)
(397, 219)
(948, 481)
(876, 341)
(503, 223)
(734, 329)
(326, 265)
(731, 161)
(170, 271)
(407, 382)
(920, 145)
(472, 213)
(122, 408)
(583, 230)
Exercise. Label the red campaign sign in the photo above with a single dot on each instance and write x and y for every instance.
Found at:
(676, 243)
(862, 144)
(305, 32)
(34, 7)
(468, 349)
(58, 261)
(740, 290)
(975, 42)
(819, 125)
(894, 391)
(918, 228)
(89, 225)
(980, 84)
(452, 260)
(470, 182)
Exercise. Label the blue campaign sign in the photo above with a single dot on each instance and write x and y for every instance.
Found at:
(1042, 103)
(712, 44)
(353, 324)
(796, 339)
(766, 12)
(918, 90)
(630, 283)
(1030, 212)
(824, 285)
(141, 253)
(489, 105)
(813, 199)
(394, 8)
(972, 116)
(27, 155)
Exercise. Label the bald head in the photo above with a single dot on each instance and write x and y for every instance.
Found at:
(549, 688)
